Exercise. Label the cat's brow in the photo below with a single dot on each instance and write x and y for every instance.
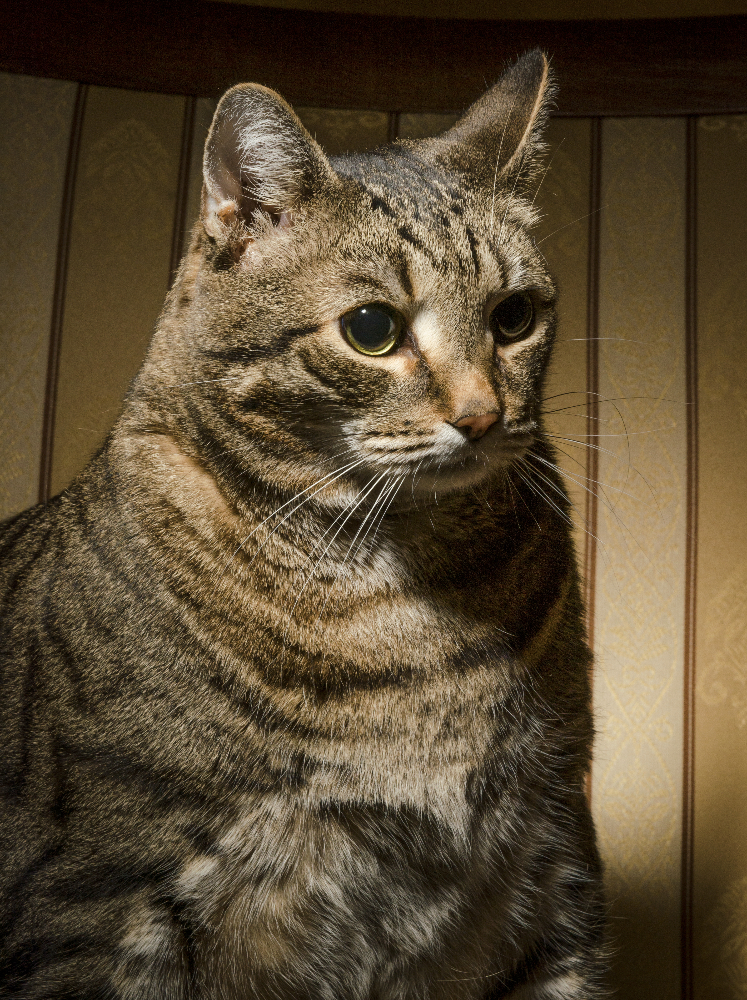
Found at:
(356, 280)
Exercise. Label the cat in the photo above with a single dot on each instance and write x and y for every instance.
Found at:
(295, 684)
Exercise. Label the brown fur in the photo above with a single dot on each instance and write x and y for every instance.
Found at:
(284, 725)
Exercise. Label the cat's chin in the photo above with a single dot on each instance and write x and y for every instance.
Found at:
(452, 479)
(469, 468)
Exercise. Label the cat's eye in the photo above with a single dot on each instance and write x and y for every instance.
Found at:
(374, 329)
(512, 317)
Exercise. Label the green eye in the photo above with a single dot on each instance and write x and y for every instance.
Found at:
(512, 317)
(374, 329)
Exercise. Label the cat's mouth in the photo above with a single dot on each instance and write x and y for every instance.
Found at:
(448, 459)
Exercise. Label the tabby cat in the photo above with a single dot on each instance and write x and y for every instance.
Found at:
(295, 681)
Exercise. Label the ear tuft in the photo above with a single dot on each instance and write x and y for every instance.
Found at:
(259, 162)
(500, 135)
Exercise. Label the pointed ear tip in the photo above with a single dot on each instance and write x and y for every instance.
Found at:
(534, 64)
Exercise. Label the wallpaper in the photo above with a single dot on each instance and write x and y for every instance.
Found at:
(639, 603)
(645, 227)
(35, 120)
(720, 848)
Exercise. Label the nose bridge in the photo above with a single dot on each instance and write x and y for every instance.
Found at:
(453, 343)
(472, 393)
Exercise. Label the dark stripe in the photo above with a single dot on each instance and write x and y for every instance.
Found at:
(13, 528)
(592, 383)
(24, 566)
(249, 355)
(404, 232)
(691, 560)
(325, 380)
(58, 297)
(378, 204)
(473, 250)
(182, 188)
(403, 273)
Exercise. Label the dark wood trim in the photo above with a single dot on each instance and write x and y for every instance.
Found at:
(592, 374)
(58, 296)
(630, 67)
(182, 187)
(691, 561)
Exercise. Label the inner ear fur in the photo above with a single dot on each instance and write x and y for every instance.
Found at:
(259, 163)
(499, 137)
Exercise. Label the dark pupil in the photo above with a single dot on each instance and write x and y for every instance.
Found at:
(513, 313)
(371, 328)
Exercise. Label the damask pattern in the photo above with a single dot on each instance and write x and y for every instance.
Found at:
(725, 944)
(720, 889)
(35, 119)
(640, 569)
(723, 675)
(118, 268)
(345, 131)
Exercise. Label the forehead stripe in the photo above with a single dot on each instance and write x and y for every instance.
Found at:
(473, 250)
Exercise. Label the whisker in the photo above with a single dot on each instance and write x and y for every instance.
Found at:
(573, 223)
(350, 513)
(386, 486)
(576, 477)
(581, 444)
(325, 481)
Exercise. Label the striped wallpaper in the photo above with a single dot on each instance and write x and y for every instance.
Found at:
(646, 229)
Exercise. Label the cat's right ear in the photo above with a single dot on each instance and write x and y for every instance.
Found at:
(259, 163)
(499, 139)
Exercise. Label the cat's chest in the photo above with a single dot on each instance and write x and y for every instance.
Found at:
(380, 844)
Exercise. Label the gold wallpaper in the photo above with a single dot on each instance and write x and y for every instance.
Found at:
(639, 611)
(721, 688)
(130, 172)
(118, 269)
(35, 118)
(563, 238)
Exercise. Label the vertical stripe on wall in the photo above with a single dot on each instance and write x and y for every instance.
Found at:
(691, 556)
(592, 378)
(204, 111)
(182, 219)
(720, 848)
(60, 287)
(118, 268)
(35, 120)
(638, 689)
(563, 238)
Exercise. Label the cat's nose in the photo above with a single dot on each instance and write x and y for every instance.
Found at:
(475, 425)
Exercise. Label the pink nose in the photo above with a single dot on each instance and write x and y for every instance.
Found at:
(476, 426)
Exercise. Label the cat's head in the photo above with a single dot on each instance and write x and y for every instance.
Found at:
(388, 312)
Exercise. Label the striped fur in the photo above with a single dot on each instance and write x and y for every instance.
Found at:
(295, 685)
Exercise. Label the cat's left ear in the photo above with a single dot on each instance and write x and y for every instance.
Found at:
(500, 137)
(259, 163)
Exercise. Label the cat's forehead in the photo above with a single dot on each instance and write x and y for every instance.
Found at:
(400, 181)
(439, 222)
